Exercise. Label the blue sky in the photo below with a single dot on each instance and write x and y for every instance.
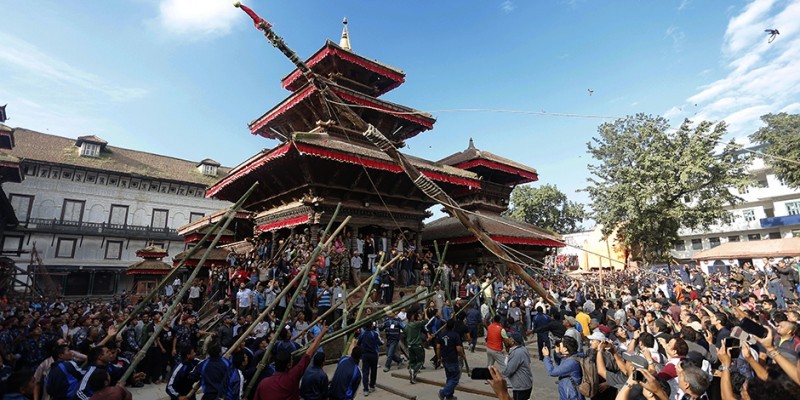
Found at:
(183, 77)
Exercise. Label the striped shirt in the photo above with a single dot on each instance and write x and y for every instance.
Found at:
(324, 296)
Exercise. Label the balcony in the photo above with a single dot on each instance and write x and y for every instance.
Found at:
(780, 221)
(98, 229)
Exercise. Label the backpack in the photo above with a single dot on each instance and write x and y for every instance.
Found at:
(54, 387)
(590, 383)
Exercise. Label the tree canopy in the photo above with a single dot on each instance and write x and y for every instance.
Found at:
(546, 207)
(650, 180)
(781, 141)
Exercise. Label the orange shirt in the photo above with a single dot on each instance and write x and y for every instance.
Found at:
(494, 337)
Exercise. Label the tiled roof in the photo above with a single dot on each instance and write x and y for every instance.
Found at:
(149, 265)
(786, 247)
(451, 227)
(472, 153)
(37, 146)
(90, 139)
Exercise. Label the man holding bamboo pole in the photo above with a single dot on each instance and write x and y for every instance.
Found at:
(285, 382)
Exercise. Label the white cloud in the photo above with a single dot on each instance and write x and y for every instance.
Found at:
(29, 64)
(676, 34)
(507, 6)
(684, 4)
(197, 19)
(762, 77)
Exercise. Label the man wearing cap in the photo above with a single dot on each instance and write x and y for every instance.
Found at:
(569, 325)
(518, 367)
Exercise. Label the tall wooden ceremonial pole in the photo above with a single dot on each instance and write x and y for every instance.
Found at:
(425, 184)
(290, 304)
(171, 310)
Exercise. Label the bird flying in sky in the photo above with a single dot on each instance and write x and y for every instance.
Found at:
(590, 91)
(773, 33)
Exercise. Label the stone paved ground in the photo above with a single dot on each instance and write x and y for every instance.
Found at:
(544, 387)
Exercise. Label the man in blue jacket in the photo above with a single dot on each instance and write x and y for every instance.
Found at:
(344, 384)
(64, 377)
(212, 373)
(392, 326)
(314, 385)
(369, 341)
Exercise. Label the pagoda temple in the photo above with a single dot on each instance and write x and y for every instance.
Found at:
(498, 177)
(321, 160)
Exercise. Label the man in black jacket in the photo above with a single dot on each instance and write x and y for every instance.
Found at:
(180, 383)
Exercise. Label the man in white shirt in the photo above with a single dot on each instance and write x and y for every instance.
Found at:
(244, 299)
(194, 295)
(355, 267)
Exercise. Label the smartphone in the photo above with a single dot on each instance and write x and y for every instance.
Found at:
(732, 342)
(480, 373)
(753, 328)
(733, 345)
(638, 376)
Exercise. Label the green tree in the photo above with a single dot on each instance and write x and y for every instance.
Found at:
(546, 207)
(650, 180)
(781, 140)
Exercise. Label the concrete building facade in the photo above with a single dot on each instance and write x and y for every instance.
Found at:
(87, 207)
(769, 210)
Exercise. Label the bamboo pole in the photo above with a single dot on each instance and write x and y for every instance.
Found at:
(346, 347)
(146, 300)
(374, 317)
(290, 304)
(283, 292)
(467, 305)
(425, 184)
(168, 315)
(340, 302)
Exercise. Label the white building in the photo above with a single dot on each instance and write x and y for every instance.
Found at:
(770, 210)
(87, 207)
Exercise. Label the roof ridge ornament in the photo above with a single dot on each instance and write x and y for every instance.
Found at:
(471, 144)
(344, 42)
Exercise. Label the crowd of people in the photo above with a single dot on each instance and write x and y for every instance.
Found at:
(679, 333)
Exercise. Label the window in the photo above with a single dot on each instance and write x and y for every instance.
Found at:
(113, 250)
(72, 210)
(796, 233)
(714, 241)
(793, 208)
(118, 215)
(65, 248)
(22, 205)
(733, 238)
(762, 183)
(754, 236)
(209, 169)
(769, 212)
(680, 245)
(12, 244)
(697, 244)
(103, 283)
(90, 149)
(159, 218)
(77, 284)
(195, 216)
(749, 215)
(774, 235)
(728, 218)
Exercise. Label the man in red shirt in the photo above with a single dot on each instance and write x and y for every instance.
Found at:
(285, 382)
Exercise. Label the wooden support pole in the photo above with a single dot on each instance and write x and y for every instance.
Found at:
(290, 304)
(171, 310)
